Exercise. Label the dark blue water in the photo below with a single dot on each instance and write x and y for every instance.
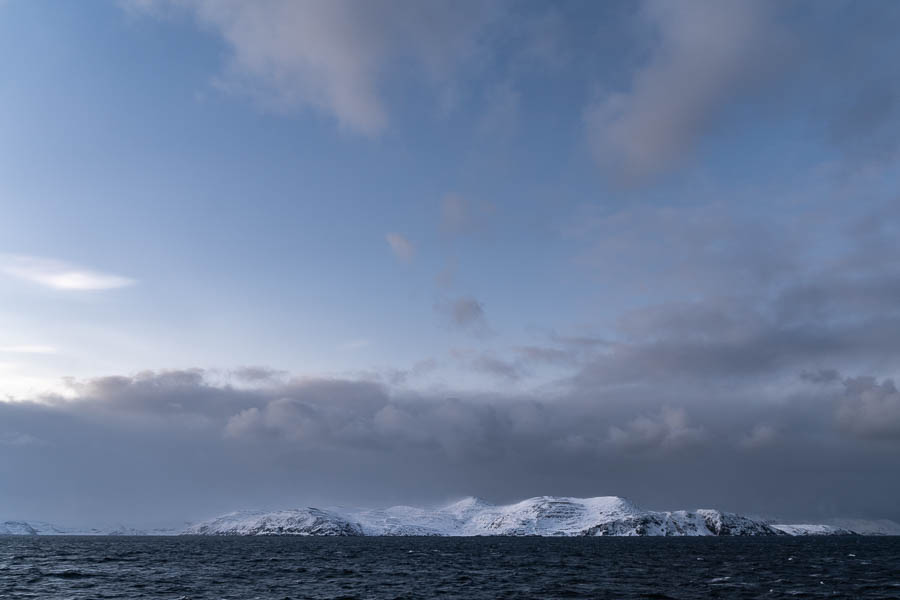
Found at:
(294, 568)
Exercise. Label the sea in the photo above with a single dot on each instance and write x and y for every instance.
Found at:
(282, 568)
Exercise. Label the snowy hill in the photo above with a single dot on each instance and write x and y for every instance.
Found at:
(304, 521)
(541, 516)
(18, 528)
(868, 527)
(813, 530)
(38, 528)
(42, 528)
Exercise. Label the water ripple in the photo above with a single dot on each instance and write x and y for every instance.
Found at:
(193, 568)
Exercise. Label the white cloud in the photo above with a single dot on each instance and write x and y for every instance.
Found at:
(400, 246)
(708, 53)
(331, 55)
(59, 275)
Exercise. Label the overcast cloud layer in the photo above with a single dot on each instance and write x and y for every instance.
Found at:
(774, 399)
(269, 254)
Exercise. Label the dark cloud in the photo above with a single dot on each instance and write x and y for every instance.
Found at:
(497, 367)
(545, 354)
(466, 313)
(870, 409)
(579, 342)
(186, 447)
(667, 430)
(739, 302)
(401, 376)
(821, 376)
(257, 374)
(765, 351)
(521, 363)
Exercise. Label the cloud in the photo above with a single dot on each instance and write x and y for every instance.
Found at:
(521, 362)
(727, 298)
(334, 56)
(466, 313)
(461, 215)
(706, 55)
(666, 430)
(696, 249)
(59, 275)
(759, 437)
(707, 64)
(325, 411)
(546, 355)
(869, 409)
(821, 376)
(401, 247)
(697, 346)
(762, 346)
(403, 376)
(496, 367)
(257, 374)
(212, 447)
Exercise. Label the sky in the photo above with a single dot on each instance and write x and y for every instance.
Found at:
(271, 254)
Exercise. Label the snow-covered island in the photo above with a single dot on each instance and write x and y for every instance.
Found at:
(540, 516)
(43, 528)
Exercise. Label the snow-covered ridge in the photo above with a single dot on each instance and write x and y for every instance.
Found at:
(540, 516)
(29, 528)
(42, 528)
(306, 521)
(868, 527)
(809, 529)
